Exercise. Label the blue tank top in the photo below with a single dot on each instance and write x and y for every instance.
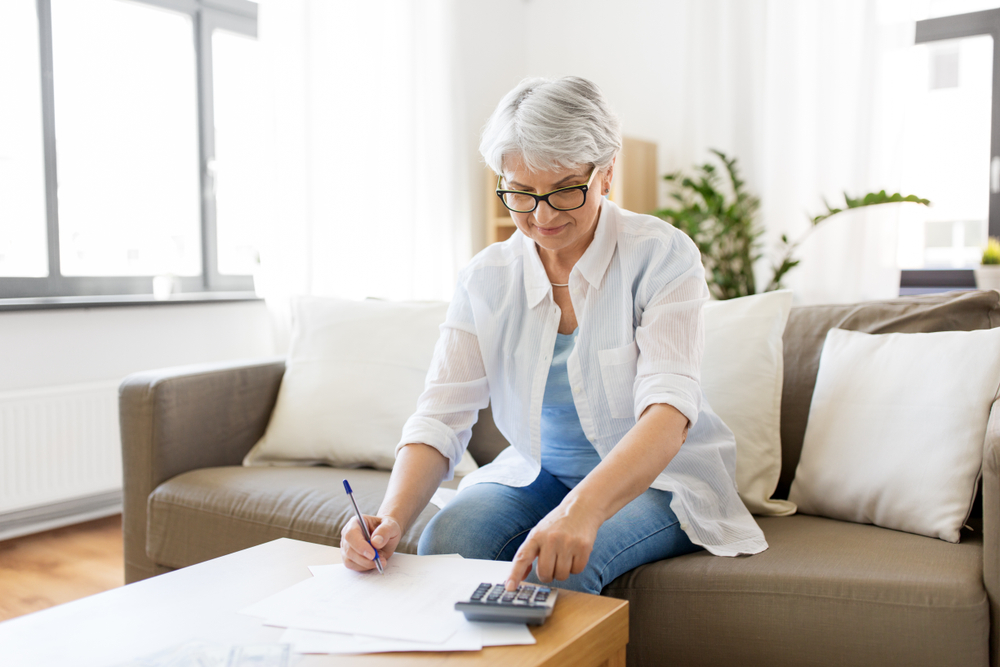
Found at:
(566, 452)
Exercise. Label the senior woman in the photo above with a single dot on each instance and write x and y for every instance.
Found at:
(585, 332)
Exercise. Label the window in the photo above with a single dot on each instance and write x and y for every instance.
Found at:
(22, 168)
(132, 148)
(951, 148)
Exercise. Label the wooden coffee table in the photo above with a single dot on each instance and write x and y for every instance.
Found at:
(201, 603)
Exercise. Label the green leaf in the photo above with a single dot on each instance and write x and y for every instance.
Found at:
(869, 199)
(715, 210)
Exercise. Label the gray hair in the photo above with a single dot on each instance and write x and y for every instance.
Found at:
(551, 124)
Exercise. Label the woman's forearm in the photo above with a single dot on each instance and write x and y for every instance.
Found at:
(628, 470)
(416, 474)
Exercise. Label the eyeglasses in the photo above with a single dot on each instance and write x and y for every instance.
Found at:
(563, 199)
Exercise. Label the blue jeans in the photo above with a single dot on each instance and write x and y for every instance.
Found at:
(490, 521)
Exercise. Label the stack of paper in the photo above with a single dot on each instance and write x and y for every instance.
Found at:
(409, 608)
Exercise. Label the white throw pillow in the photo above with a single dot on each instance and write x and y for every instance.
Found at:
(896, 429)
(354, 372)
(742, 374)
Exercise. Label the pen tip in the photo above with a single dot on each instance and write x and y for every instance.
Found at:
(347, 487)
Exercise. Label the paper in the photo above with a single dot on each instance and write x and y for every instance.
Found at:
(442, 497)
(504, 634)
(413, 601)
(470, 637)
(319, 570)
(310, 641)
(198, 653)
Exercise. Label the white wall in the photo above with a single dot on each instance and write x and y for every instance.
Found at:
(491, 57)
(62, 347)
(632, 49)
(667, 84)
(85, 353)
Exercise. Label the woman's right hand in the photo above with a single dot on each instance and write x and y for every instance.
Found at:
(357, 553)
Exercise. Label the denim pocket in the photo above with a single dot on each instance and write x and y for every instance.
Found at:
(618, 375)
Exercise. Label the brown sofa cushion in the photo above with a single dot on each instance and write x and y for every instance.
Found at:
(211, 512)
(807, 328)
(839, 592)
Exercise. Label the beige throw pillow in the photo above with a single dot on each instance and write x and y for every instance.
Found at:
(896, 429)
(354, 372)
(742, 374)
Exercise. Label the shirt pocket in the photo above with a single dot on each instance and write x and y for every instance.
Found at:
(618, 368)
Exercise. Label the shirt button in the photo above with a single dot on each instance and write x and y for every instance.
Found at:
(684, 526)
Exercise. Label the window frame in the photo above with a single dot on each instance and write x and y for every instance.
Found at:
(239, 16)
(986, 22)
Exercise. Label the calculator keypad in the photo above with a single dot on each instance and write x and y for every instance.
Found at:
(526, 594)
(530, 604)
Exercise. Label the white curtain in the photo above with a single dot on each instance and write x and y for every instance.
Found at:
(386, 197)
(369, 197)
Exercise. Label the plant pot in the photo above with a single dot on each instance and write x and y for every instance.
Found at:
(988, 276)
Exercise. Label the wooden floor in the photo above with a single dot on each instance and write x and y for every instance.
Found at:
(43, 570)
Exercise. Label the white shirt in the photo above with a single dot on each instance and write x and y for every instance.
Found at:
(638, 292)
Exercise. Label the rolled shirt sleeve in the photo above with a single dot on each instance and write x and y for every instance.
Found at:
(455, 390)
(671, 331)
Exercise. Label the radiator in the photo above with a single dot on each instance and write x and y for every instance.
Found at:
(60, 456)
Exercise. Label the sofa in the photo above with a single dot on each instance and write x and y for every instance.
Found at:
(826, 592)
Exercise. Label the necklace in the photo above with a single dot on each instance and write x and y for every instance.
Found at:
(558, 285)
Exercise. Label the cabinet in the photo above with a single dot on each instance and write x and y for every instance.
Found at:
(634, 187)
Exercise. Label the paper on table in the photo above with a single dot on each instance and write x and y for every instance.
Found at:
(210, 654)
(311, 641)
(318, 570)
(469, 637)
(493, 634)
(413, 601)
(442, 497)
(504, 634)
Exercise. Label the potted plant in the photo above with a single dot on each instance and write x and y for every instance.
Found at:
(720, 218)
(988, 272)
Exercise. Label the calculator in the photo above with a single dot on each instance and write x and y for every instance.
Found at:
(490, 602)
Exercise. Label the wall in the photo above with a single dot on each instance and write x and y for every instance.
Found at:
(61, 347)
(491, 47)
(633, 50)
(666, 82)
(60, 454)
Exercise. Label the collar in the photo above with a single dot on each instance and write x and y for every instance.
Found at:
(593, 265)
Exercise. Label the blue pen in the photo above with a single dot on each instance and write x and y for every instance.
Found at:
(364, 526)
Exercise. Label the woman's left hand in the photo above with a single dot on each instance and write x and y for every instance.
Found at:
(561, 542)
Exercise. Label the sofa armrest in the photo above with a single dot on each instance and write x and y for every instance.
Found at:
(991, 527)
(179, 419)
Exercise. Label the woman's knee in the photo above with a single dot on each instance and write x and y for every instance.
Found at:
(588, 581)
(450, 532)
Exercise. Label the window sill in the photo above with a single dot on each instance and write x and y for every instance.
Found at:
(917, 291)
(119, 300)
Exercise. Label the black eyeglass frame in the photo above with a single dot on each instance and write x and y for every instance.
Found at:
(540, 198)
